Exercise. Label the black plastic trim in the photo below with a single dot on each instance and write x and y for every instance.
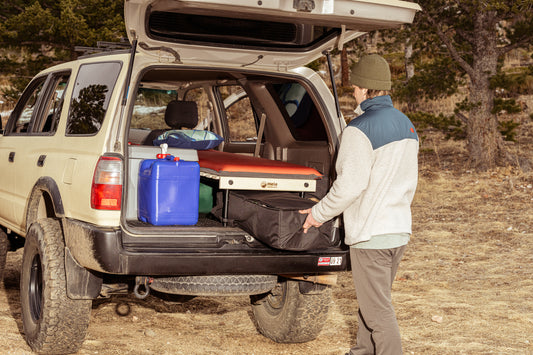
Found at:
(48, 184)
(81, 283)
(108, 254)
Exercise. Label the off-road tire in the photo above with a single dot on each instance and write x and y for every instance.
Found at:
(52, 322)
(4, 247)
(286, 315)
(215, 285)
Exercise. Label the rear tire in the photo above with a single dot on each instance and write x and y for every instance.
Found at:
(4, 247)
(52, 322)
(293, 312)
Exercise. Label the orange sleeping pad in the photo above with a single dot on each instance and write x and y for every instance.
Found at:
(236, 164)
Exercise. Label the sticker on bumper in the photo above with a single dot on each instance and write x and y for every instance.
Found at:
(329, 261)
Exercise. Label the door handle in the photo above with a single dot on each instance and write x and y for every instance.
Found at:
(40, 161)
(11, 157)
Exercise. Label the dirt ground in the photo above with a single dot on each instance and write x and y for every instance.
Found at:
(465, 285)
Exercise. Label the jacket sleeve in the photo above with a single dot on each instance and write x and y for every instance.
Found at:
(354, 163)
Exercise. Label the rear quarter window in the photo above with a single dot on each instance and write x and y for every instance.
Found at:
(90, 99)
(301, 113)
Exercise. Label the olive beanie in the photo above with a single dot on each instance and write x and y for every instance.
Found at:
(371, 72)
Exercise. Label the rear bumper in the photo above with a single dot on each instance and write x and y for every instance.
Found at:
(109, 250)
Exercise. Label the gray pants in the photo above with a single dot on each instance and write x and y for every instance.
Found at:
(373, 272)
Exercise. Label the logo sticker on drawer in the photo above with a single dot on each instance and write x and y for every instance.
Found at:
(329, 261)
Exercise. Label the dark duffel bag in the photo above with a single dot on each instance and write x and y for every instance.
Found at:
(273, 218)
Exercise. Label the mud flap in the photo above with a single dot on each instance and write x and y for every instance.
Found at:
(82, 284)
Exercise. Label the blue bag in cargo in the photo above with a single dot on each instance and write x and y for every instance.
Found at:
(189, 139)
(168, 191)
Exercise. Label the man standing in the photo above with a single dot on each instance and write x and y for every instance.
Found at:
(377, 173)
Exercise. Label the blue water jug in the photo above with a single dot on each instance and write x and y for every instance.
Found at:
(168, 191)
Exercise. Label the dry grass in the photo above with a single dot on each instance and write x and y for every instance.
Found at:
(470, 259)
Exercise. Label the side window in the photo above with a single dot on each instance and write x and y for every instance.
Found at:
(239, 113)
(25, 109)
(205, 108)
(301, 114)
(149, 108)
(90, 98)
(53, 104)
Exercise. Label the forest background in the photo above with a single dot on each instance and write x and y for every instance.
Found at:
(476, 52)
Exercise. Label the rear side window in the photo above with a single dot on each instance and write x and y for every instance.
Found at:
(53, 104)
(149, 109)
(239, 114)
(90, 98)
(211, 30)
(205, 112)
(301, 114)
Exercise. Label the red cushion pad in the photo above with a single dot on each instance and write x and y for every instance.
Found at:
(238, 163)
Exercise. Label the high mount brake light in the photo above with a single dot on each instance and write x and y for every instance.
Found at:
(106, 191)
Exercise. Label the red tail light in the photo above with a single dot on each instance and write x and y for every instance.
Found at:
(106, 191)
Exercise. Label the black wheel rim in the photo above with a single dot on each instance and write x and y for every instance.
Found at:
(35, 290)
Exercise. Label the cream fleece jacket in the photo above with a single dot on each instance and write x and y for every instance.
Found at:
(377, 173)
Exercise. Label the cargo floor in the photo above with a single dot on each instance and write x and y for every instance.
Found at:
(204, 220)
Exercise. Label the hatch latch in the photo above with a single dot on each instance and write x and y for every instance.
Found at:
(304, 5)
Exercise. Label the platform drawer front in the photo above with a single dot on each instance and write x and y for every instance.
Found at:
(168, 192)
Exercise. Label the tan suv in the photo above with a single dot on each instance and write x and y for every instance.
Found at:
(74, 150)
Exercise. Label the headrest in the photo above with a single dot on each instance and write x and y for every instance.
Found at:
(181, 114)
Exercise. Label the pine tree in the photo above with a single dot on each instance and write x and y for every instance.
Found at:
(467, 39)
(46, 32)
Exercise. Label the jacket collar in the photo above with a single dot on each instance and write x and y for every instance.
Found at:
(376, 103)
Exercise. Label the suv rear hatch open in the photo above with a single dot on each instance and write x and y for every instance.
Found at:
(265, 33)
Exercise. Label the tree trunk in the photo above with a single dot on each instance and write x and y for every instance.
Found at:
(345, 68)
(484, 141)
(409, 72)
(408, 54)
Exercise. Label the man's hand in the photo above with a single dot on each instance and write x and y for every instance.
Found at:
(309, 221)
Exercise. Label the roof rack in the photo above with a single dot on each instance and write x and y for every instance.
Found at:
(103, 46)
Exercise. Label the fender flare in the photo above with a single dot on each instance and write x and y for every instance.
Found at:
(81, 283)
(52, 199)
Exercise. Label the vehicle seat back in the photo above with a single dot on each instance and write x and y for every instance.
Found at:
(178, 115)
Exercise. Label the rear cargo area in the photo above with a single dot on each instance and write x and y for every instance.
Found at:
(270, 137)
